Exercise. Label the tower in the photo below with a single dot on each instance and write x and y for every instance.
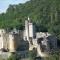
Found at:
(1, 39)
(11, 43)
(26, 30)
(29, 32)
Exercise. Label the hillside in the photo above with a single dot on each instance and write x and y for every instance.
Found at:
(45, 14)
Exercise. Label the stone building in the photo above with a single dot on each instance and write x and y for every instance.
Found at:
(28, 38)
(10, 41)
(3, 39)
(42, 41)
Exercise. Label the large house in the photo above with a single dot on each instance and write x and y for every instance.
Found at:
(10, 41)
(43, 42)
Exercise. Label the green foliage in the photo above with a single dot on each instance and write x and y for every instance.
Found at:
(45, 14)
(32, 55)
(14, 57)
(53, 56)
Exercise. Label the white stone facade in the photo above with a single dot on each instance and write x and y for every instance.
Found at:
(42, 40)
(2, 32)
(9, 41)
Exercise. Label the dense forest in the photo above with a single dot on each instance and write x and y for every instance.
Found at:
(45, 14)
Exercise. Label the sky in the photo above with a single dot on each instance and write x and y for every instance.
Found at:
(4, 4)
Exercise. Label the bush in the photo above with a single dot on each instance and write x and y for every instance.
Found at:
(32, 55)
(12, 57)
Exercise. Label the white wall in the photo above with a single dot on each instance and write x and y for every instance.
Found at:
(11, 43)
(26, 30)
(30, 30)
(2, 32)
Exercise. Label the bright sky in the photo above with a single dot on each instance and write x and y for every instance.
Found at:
(5, 3)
